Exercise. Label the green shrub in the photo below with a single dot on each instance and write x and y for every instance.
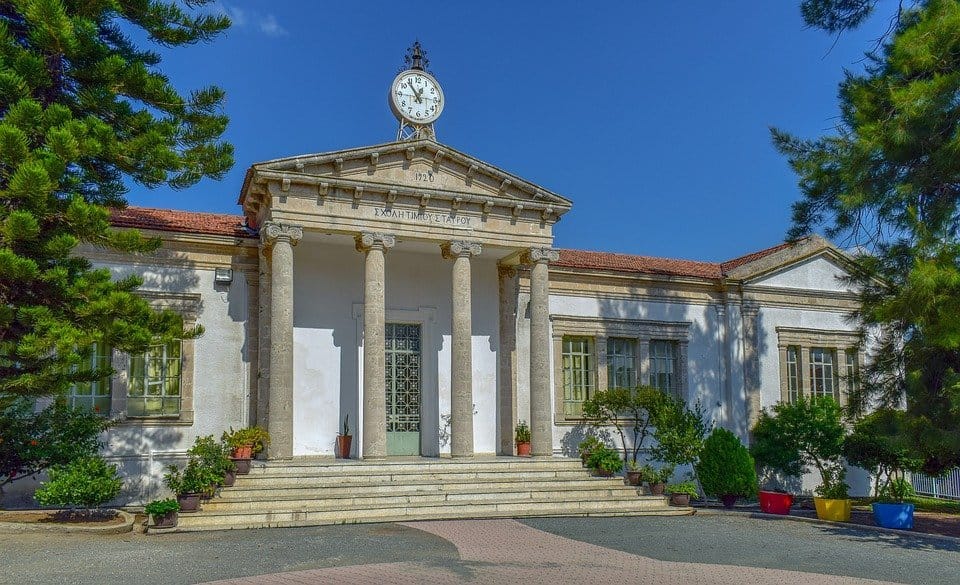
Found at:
(588, 445)
(685, 487)
(194, 479)
(162, 507)
(679, 431)
(799, 435)
(212, 456)
(606, 459)
(258, 437)
(881, 443)
(522, 434)
(86, 482)
(726, 467)
(650, 474)
(55, 436)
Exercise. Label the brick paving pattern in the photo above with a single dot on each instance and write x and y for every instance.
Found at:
(506, 551)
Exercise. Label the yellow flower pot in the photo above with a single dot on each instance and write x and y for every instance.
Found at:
(833, 510)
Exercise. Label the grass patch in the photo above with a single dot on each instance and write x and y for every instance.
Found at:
(922, 504)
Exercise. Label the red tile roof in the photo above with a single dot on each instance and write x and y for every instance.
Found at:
(193, 222)
(189, 222)
(637, 264)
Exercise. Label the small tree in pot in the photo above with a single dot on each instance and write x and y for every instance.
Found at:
(345, 440)
(800, 435)
(188, 484)
(726, 470)
(522, 439)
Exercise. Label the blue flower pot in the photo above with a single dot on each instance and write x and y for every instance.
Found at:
(898, 516)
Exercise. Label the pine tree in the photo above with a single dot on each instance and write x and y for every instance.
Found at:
(889, 181)
(83, 110)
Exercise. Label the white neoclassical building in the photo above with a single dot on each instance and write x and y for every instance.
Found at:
(414, 292)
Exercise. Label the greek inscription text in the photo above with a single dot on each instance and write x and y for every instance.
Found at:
(417, 216)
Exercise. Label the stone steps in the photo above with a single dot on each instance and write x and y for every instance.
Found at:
(243, 491)
(304, 493)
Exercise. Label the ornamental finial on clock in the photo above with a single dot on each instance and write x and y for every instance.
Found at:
(416, 98)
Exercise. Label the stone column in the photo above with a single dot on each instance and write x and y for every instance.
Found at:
(461, 361)
(541, 419)
(374, 440)
(281, 238)
(263, 369)
(751, 361)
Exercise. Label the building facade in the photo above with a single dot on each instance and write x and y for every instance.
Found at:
(413, 292)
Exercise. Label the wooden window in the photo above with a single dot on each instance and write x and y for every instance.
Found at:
(664, 366)
(823, 373)
(93, 395)
(852, 369)
(621, 362)
(794, 381)
(579, 374)
(155, 381)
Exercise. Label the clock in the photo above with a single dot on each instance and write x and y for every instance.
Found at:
(416, 97)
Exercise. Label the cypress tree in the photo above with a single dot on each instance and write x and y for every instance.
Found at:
(84, 110)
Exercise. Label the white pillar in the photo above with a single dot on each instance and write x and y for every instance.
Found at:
(461, 355)
(281, 238)
(374, 245)
(541, 418)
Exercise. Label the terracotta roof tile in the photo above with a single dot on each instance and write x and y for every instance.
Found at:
(171, 220)
(190, 222)
(637, 264)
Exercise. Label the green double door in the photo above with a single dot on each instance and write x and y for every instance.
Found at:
(403, 371)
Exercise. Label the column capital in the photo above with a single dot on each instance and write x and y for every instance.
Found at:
(271, 232)
(540, 256)
(750, 308)
(374, 241)
(460, 249)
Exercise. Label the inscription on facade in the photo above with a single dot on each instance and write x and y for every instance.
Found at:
(423, 217)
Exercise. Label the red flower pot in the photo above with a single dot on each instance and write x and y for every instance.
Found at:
(523, 449)
(343, 446)
(775, 502)
(243, 452)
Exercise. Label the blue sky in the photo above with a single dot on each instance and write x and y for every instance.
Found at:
(651, 116)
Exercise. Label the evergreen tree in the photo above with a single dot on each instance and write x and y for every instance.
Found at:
(84, 108)
(888, 181)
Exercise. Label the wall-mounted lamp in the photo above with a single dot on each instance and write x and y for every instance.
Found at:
(223, 275)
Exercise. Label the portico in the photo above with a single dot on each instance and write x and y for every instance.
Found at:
(420, 370)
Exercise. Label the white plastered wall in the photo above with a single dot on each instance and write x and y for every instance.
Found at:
(328, 352)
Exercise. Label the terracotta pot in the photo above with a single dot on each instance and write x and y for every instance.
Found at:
(229, 478)
(633, 478)
(243, 452)
(728, 500)
(189, 502)
(243, 466)
(657, 489)
(168, 520)
(775, 502)
(523, 449)
(343, 446)
(679, 499)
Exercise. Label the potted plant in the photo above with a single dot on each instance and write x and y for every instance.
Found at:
(187, 485)
(833, 500)
(522, 439)
(657, 478)
(797, 436)
(634, 475)
(344, 440)
(587, 446)
(726, 469)
(163, 513)
(605, 461)
(680, 493)
(881, 443)
(214, 458)
(244, 445)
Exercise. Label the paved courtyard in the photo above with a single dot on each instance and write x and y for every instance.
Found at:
(704, 549)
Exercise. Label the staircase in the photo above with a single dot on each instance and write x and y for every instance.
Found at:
(277, 494)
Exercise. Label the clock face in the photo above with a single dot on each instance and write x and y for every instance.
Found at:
(416, 96)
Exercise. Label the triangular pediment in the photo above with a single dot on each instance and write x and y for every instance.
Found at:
(421, 166)
(811, 263)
